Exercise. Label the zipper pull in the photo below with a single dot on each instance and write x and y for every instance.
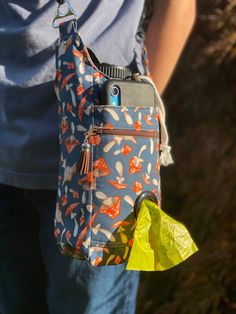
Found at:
(95, 129)
(84, 160)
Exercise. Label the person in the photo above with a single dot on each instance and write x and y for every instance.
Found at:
(34, 276)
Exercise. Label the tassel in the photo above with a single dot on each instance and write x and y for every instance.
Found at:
(84, 160)
(165, 157)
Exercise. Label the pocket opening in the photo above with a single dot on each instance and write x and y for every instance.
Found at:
(123, 132)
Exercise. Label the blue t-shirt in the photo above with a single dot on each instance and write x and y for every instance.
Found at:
(29, 145)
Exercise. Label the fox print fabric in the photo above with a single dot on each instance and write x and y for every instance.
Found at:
(108, 156)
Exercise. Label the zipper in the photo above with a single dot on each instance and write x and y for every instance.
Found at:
(125, 132)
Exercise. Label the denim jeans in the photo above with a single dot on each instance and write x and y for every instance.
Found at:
(36, 278)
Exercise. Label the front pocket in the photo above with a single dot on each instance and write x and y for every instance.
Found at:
(125, 163)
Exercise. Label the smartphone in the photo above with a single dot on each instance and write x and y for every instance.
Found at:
(128, 93)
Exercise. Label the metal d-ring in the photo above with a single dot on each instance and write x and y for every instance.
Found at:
(60, 15)
(140, 198)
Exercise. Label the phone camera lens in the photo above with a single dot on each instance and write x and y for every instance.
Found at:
(115, 91)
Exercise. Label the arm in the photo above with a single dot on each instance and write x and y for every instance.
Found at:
(167, 33)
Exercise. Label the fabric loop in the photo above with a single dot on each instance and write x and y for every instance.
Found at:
(165, 157)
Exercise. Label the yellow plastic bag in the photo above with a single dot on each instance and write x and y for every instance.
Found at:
(160, 242)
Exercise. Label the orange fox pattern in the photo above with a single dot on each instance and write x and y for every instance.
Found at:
(94, 217)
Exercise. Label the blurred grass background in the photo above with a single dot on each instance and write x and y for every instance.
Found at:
(199, 189)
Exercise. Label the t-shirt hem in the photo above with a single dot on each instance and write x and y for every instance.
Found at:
(28, 180)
